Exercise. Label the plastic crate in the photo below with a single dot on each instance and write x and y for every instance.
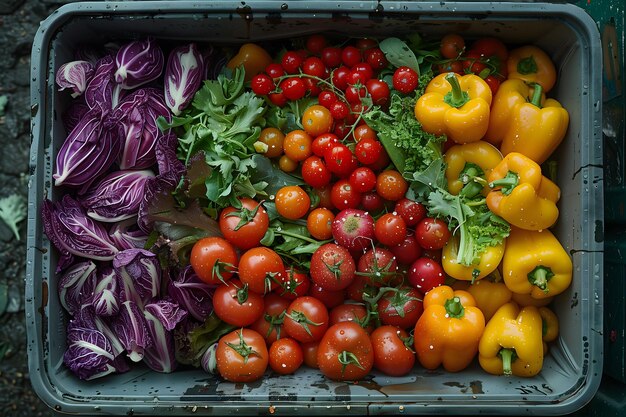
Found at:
(572, 371)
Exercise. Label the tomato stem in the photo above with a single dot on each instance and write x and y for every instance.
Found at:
(301, 318)
(242, 348)
(348, 358)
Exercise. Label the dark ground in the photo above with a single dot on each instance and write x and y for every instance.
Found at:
(19, 20)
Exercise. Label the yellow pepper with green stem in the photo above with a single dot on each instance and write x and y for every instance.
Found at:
(457, 106)
(512, 342)
(468, 165)
(531, 64)
(535, 263)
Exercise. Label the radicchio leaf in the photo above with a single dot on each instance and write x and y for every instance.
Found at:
(88, 353)
(99, 92)
(117, 196)
(139, 274)
(161, 318)
(130, 326)
(127, 235)
(72, 232)
(138, 63)
(86, 317)
(74, 113)
(188, 290)
(183, 75)
(138, 113)
(74, 75)
(167, 160)
(107, 293)
(76, 286)
(88, 151)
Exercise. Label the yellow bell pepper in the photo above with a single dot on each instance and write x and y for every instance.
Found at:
(525, 300)
(468, 165)
(510, 94)
(448, 331)
(549, 327)
(536, 130)
(535, 263)
(512, 342)
(457, 106)
(521, 195)
(486, 264)
(489, 296)
(531, 64)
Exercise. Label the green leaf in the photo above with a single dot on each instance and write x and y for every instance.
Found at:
(399, 54)
(12, 212)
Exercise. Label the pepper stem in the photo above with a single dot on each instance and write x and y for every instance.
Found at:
(454, 308)
(527, 65)
(540, 276)
(536, 100)
(471, 176)
(456, 97)
(508, 356)
(507, 184)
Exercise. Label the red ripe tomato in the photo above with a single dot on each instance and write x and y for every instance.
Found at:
(312, 86)
(291, 62)
(355, 93)
(345, 352)
(401, 307)
(331, 56)
(340, 160)
(339, 110)
(309, 351)
(368, 150)
(315, 173)
(292, 284)
(350, 56)
(258, 268)
(316, 43)
(270, 324)
(473, 63)
(362, 179)
(364, 132)
(313, 66)
(378, 266)
(326, 98)
(452, 66)
(360, 73)
(213, 259)
(339, 77)
(493, 83)
(293, 88)
(432, 233)
(246, 225)
(393, 354)
(343, 195)
(426, 274)
(306, 319)
(329, 298)
(391, 185)
(491, 47)
(372, 202)
(332, 267)
(390, 229)
(262, 84)
(365, 44)
(379, 92)
(407, 251)
(323, 194)
(411, 211)
(274, 70)
(324, 142)
(278, 99)
(452, 45)
(286, 356)
(405, 80)
(235, 305)
(376, 58)
(351, 312)
(241, 356)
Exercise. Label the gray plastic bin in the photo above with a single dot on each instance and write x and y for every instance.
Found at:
(572, 370)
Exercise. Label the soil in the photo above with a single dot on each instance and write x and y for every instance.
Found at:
(19, 19)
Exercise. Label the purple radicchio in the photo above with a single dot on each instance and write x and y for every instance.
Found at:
(76, 110)
(161, 318)
(107, 293)
(88, 353)
(73, 233)
(183, 74)
(89, 150)
(76, 286)
(165, 151)
(138, 113)
(127, 235)
(131, 329)
(117, 196)
(86, 317)
(100, 90)
(138, 63)
(74, 75)
(192, 293)
(139, 275)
